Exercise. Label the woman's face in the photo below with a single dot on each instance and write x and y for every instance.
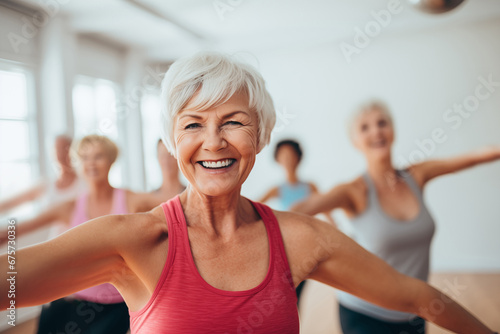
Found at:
(288, 158)
(216, 147)
(62, 146)
(373, 134)
(95, 162)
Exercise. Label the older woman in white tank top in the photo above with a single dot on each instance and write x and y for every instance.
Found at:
(388, 215)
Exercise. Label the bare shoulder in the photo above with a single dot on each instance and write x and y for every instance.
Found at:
(301, 228)
(291, 222)
(357, 185)
(307, 241)
(417, 171)
(140, 229)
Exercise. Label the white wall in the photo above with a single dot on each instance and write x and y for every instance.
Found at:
(420, 76)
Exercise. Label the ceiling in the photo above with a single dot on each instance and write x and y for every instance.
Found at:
(165, 30)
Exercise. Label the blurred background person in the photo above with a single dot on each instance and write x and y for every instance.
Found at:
(171, 184)
(66, 186)
(96, 156)
(388, 214)
(288, 154)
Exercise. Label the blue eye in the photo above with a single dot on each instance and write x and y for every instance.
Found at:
(192, 126)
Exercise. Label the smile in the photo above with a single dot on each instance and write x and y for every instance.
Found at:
(379, 143)
(217, 164)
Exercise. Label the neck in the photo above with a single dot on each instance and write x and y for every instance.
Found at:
(382, 172)
(291, 176)
(220, 216)
(171, 183)
(100, 190)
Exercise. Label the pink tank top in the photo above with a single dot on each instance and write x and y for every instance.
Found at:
(104, 293)
(183, 302)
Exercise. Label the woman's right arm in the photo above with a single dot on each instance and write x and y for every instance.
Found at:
(338, 197)
(82, 257)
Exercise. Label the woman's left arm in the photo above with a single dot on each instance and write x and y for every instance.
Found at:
(427, 170)
(343, 264)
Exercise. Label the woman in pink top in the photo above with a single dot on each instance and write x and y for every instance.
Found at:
(210, 260)
(98, 309)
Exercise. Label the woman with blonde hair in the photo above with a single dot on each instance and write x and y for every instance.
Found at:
(388, 215)
(96, 155)
(210, 260)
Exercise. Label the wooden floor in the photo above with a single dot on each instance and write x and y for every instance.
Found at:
(479, 293)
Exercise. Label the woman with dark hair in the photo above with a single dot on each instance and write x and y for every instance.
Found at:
(288, 154)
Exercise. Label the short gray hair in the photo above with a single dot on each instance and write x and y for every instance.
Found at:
(366, 107)
(214, 77)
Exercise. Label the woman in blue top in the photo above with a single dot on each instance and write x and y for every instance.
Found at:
(388, 215)
(288, 154)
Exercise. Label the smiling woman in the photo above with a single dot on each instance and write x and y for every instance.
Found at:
(210, 260)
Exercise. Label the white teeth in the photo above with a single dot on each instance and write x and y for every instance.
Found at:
(217, 164)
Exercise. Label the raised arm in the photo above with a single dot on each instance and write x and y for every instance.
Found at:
(26, 196)
(343, 264)
(79, 258)
(338, 197)
(427, 170)
(272, 193)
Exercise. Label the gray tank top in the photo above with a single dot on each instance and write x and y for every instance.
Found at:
(404, 245)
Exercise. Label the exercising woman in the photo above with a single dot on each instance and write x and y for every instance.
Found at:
(288, 154)
(104, 302)
(388, 215)
(210, 260)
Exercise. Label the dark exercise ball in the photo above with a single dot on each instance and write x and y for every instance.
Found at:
(436, 6)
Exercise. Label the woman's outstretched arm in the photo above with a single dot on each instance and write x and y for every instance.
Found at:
(82, 257)
(337, 198)
(329, 256)
(271, 193)
(428, 170)
(26, 196)
(327, 214)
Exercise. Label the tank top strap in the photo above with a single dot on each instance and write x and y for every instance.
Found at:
(80, 211)
(372, 191)
(275, 239)
(119, 202)
(410, 181)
